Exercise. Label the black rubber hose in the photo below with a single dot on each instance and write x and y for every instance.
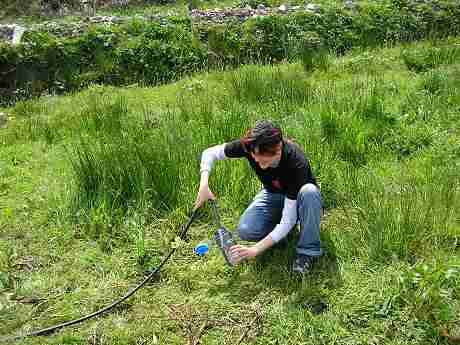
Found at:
(103, 310)
(215, 213)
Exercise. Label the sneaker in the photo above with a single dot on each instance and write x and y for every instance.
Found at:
(303, 263)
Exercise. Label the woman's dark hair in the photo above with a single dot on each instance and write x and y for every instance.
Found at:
(264, 137)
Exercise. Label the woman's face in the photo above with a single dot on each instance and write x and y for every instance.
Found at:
(266, 161)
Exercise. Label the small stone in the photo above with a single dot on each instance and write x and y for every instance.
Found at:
(350, 4)
(283, 8)
(316, 307)
(244, 12)
(6, 32)
(312, 7)
(3, 120)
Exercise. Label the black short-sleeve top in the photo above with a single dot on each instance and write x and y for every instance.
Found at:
(292, 172)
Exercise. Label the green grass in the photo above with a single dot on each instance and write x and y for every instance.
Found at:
(94, 186)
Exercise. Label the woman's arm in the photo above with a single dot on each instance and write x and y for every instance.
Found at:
(208, 157)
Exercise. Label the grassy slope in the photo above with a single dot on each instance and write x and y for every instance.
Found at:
(54, 269)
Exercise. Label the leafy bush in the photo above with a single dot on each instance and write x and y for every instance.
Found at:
(160, 54)
(156, 53)
(224, 44)
(431, 291)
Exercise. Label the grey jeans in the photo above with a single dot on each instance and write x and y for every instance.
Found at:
(265, 211)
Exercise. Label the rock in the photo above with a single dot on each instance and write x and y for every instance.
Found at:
(3, 120)
(120, 3)
(283, 9)
(261, 7)
(17, 34)
(350, 4)
(97, 19)
(118, 20)
(260, 12)
(312, 7)
(11, 33)
(244, 12)
(6, 32)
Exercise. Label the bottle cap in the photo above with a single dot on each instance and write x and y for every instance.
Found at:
(202, 249)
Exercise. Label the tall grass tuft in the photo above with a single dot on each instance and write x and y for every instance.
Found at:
(125, 167)
(35, 122)
(104, 114)
(254, 84)
(346, 136)
(425, 58)
(407, 216)
(435, 81)
(121, 162)
(313, 53)
(152, 158)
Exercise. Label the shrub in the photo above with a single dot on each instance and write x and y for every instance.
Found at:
(224, 44)
(430, 291)
(153, 53)
(101, 55)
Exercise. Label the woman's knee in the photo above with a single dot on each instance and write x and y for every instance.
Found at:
(249, 231)
(309, 194)
(309, 190)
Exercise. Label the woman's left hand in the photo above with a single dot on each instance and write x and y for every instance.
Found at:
(240, 252)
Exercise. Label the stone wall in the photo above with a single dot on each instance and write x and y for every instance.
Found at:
(217, 15)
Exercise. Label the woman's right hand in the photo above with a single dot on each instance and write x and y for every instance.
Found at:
(204, 194)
